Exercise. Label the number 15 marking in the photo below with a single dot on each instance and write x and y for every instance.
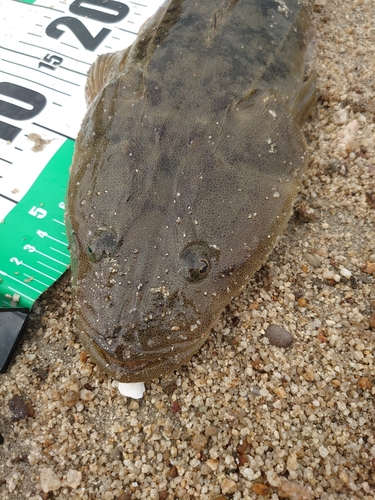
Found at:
(50, 61)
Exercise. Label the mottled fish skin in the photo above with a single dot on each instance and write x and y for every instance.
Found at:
(184, 175)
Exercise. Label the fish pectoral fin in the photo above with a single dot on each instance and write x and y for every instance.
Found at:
(303, 102)
(104, 69)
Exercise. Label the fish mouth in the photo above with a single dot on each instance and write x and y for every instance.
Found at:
(142, 367)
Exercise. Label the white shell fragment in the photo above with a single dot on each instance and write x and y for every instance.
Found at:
(134, 390)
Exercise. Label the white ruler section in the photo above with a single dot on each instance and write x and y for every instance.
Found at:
(46, 49)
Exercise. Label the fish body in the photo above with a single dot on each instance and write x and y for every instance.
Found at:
(183, 176)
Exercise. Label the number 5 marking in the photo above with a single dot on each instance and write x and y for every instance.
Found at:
(38, 212)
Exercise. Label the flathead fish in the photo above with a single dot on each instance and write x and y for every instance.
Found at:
(184, 175)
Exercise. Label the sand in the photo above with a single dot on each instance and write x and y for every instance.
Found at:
(244, 419)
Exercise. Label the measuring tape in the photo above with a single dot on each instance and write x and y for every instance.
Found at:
(46, 49)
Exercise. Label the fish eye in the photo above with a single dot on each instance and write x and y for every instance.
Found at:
(103, 244)
(195, 263)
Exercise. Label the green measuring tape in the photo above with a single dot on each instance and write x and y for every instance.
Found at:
(34, 249)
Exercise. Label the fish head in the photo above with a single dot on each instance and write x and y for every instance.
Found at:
(169, 215)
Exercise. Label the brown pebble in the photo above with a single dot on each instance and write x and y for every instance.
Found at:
(242, 459)
(228, 486)
(302, 302)
(372, 321)
(20, 408)
(46, 496)
(309, 376)
(365, 383)
(176, 407)
(280, 391)
(244, 447)
(210, 430)
(83, 356)
(43, 373)
(172, 473)
(70, 398)
(47, 443)
(278, 336)
(260, 489)
(305, 213)
(368, 268)
(235, 321)
(199, 442)
(163, 495)
(370, 199)
(169, 389)
(257, 364)
(331, 282)
(124, 496)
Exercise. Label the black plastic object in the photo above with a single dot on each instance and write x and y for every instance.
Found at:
(12, 323)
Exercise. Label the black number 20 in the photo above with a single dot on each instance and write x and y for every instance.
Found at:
(88, 41)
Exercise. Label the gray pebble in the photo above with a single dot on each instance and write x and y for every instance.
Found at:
(278, 336)
(312, 260)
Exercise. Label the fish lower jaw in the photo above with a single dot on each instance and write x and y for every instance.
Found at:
(144, 367)
(159, 363)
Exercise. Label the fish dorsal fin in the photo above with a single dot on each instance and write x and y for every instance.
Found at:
(104, 69)
(304, 100)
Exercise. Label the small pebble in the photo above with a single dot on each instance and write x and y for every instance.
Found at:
(294, 491)
(199, 442)
(228, 486)
(169, 389)
(260, 489)
(312, 260)
(368, 268)
(49, 480)
(73, 478)
(70, 398)
(314, 324)
(212, 464)
(340, 117)
(127, 496)
(86, 395)
(173, 472)
(302, 302)
(210, 430)
(292, 462)
(116, 453)
(345, 273)
(278, 336)
(20, 408)
(319, 4)
(280, 391)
